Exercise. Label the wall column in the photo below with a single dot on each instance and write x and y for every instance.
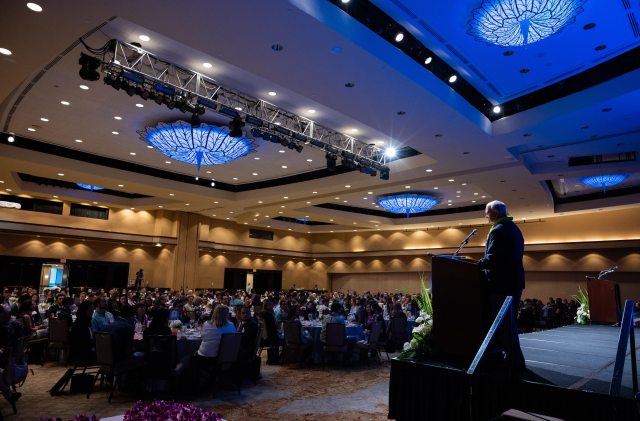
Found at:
(187, 252)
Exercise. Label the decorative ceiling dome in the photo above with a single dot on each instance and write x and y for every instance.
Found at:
(511, 23)
(204, 145)
(90, 187)
(407, 203)
(603, 180)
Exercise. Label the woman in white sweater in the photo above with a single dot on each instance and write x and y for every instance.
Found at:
(212, 331)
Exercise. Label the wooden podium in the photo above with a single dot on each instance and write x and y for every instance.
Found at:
(461, 309)
(604, 300)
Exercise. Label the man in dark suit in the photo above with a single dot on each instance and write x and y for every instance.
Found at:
(249, 329)
(502, 264)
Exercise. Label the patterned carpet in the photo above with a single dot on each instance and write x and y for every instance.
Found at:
(291, 393)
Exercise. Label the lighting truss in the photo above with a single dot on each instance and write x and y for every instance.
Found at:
(144, 69)
(407, 203)
(603, 180)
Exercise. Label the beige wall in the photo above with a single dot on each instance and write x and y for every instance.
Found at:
(225, 232)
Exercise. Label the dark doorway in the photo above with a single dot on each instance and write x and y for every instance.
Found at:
(235, 279)
(267, 280)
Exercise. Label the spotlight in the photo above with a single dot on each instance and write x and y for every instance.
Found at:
(266, 136)
(346, 162)
(317, 143)
(129, 89)
(195, 120)
(396, 33)
(453, 78)
(373, 173)
(299, 148)
(253, 121)
(109, 80)
(158, 98)
(256, 132)
(275, 139)
(496, 109)
(331, 161)
(142, 93)
(390, 152)
(384, 174)
(199, 110)
(89, 65)
(348, 155)
(117, 84)
(183, 106)
(362, 169)
(291, 145)
(164, 89)
(171, 103)
(236, 126)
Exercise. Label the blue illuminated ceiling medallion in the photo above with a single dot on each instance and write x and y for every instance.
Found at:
(304, 221)
(407, 203)
(603, 180)
(512, 23)
(90, 187)
(204, 145)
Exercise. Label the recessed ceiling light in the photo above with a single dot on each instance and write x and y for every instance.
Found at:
(314, 192)
(230, 212)
(132, 208)
(308, 203)
(277, 124)
(337, 198)
(345, 201)
(120, 185)
(149, 146)
(95, 203)
(64, 103)
(118, 118)
(286, 197)
(347, 186)
(284, 166)
(272, 94)
(281, 151)
(207, 65)
(144, 38)
(55, 197)
(496, 109)
(85, 87)
(255, 173)
(312, 111)
(60, 174)
(78, 140)
(5, 51)
(453, 78)
(167, 162)
(428, 60)
(235, 178)
(10, 139)
(34, 7)
(31, 129)
(354, 130)
(449, 204)
(256, 158)
(115, 132)
(407, 187)
(44, 119)
(309, 160)
(524, 71)
(8, 189)
(139, 105)
(171, 194)
(429, 170)
(132, 153)
(435, 188)
(451, 179)
(187, 204)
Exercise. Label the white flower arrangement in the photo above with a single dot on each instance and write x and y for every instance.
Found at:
(176, 324)
(420, 344)
(583, 316)
(13, 300)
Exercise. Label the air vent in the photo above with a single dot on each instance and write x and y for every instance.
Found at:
(562, 76)
(431, 31)
(474, 70)
(457, 54)
(404, 9)
(578, 161)
(495, 91)
(626, 4)
(89, 211)
(634, 25)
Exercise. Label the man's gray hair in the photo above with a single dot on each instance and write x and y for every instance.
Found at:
(498, 206)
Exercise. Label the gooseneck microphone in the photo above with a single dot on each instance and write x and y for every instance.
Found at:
(465, 241)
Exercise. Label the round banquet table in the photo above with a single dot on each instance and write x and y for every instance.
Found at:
(352, 330)
(187, 346)
(410, 325)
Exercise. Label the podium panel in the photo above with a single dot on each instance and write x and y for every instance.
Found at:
(604, 300)
(461, 309)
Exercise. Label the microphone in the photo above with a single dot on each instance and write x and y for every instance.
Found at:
(474, 232)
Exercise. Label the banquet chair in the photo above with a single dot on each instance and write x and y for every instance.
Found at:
(227, 356)
(293, 339)
(399, 330)
(161, 360)
(335, 341)
(16, 358)
(250, 369)
(192, 315)
(371, 345)
(58, 336)
(108, 366)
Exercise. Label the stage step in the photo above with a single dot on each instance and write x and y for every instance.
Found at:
(514, 414)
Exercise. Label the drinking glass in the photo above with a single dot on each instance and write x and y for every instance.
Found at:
(192, 323)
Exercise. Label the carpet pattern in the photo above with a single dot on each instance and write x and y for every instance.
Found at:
(291, 392)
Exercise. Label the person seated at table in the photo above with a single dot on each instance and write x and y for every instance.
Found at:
(380, 318)
(234, 317)
(81, 344)
(295, 316)
(182, 313)
(158, 326)
(113, 308)
(310, 312)
(212, 332)
(141, 316)
(157, 305)
(101, 319)
(370, 316)
(65, 313)
(10, 332)
(281, 315)
(249, 329)
(189, 303)
(122, 338)
(26, 315)
(334, 317)
(36, 314)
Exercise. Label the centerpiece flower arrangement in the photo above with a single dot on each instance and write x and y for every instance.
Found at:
(582, 316)
(421, 342)
(13, 300)
(176, 324)
(82, 417)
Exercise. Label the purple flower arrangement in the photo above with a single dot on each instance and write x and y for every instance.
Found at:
(82, 417)
(169, 411)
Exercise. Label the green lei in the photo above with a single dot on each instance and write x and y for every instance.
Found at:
(506, 218)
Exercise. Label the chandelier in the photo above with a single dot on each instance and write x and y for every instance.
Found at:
(408, 203)
(89, 187)
(204, 145)
(512, 23)
(603, 180)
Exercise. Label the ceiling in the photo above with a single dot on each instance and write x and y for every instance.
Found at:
(495, 160)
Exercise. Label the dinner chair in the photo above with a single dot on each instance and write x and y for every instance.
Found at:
(335, 341)
(16, 358)
(399, 330)
(108, 366)
(227, 356)
(371, 345)
(192, 315)
(293, 339)
(58, 336)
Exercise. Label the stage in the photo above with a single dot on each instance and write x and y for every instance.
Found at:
(568, 375)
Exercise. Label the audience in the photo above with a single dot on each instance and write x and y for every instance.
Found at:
(101, 319)
(212, 332)
(249, 329)
(123, 332)
(81, 342)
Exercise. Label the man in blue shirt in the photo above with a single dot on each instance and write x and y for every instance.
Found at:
(123, 332)
(101, 319)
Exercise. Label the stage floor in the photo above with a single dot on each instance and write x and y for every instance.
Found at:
(576, 357)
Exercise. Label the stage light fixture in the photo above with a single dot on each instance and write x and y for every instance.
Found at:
(171, 103)
(143, 92)
(199, 110)
(332, 149)
(299, 148)
(133, 78)
(390, 152)
(331, 161)
(195, 121)
(164, 89)
(253, 121)
(229, 112)
(300, 137)
(89, 65)
(496, 109)
(186, 106)
(284, 142)
(346, 162)
(453, 78)
(396, 33)
(384, 174)
(266, 136)
(282, 130)
(373, 173)
(291, 145)
(256, 132)
(208, 103)
(348, 155)
(318, 143)
(109, 80)
(236, 125)
(275, 139)
(117, 84)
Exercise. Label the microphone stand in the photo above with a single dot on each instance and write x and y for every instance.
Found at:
(464, 242)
